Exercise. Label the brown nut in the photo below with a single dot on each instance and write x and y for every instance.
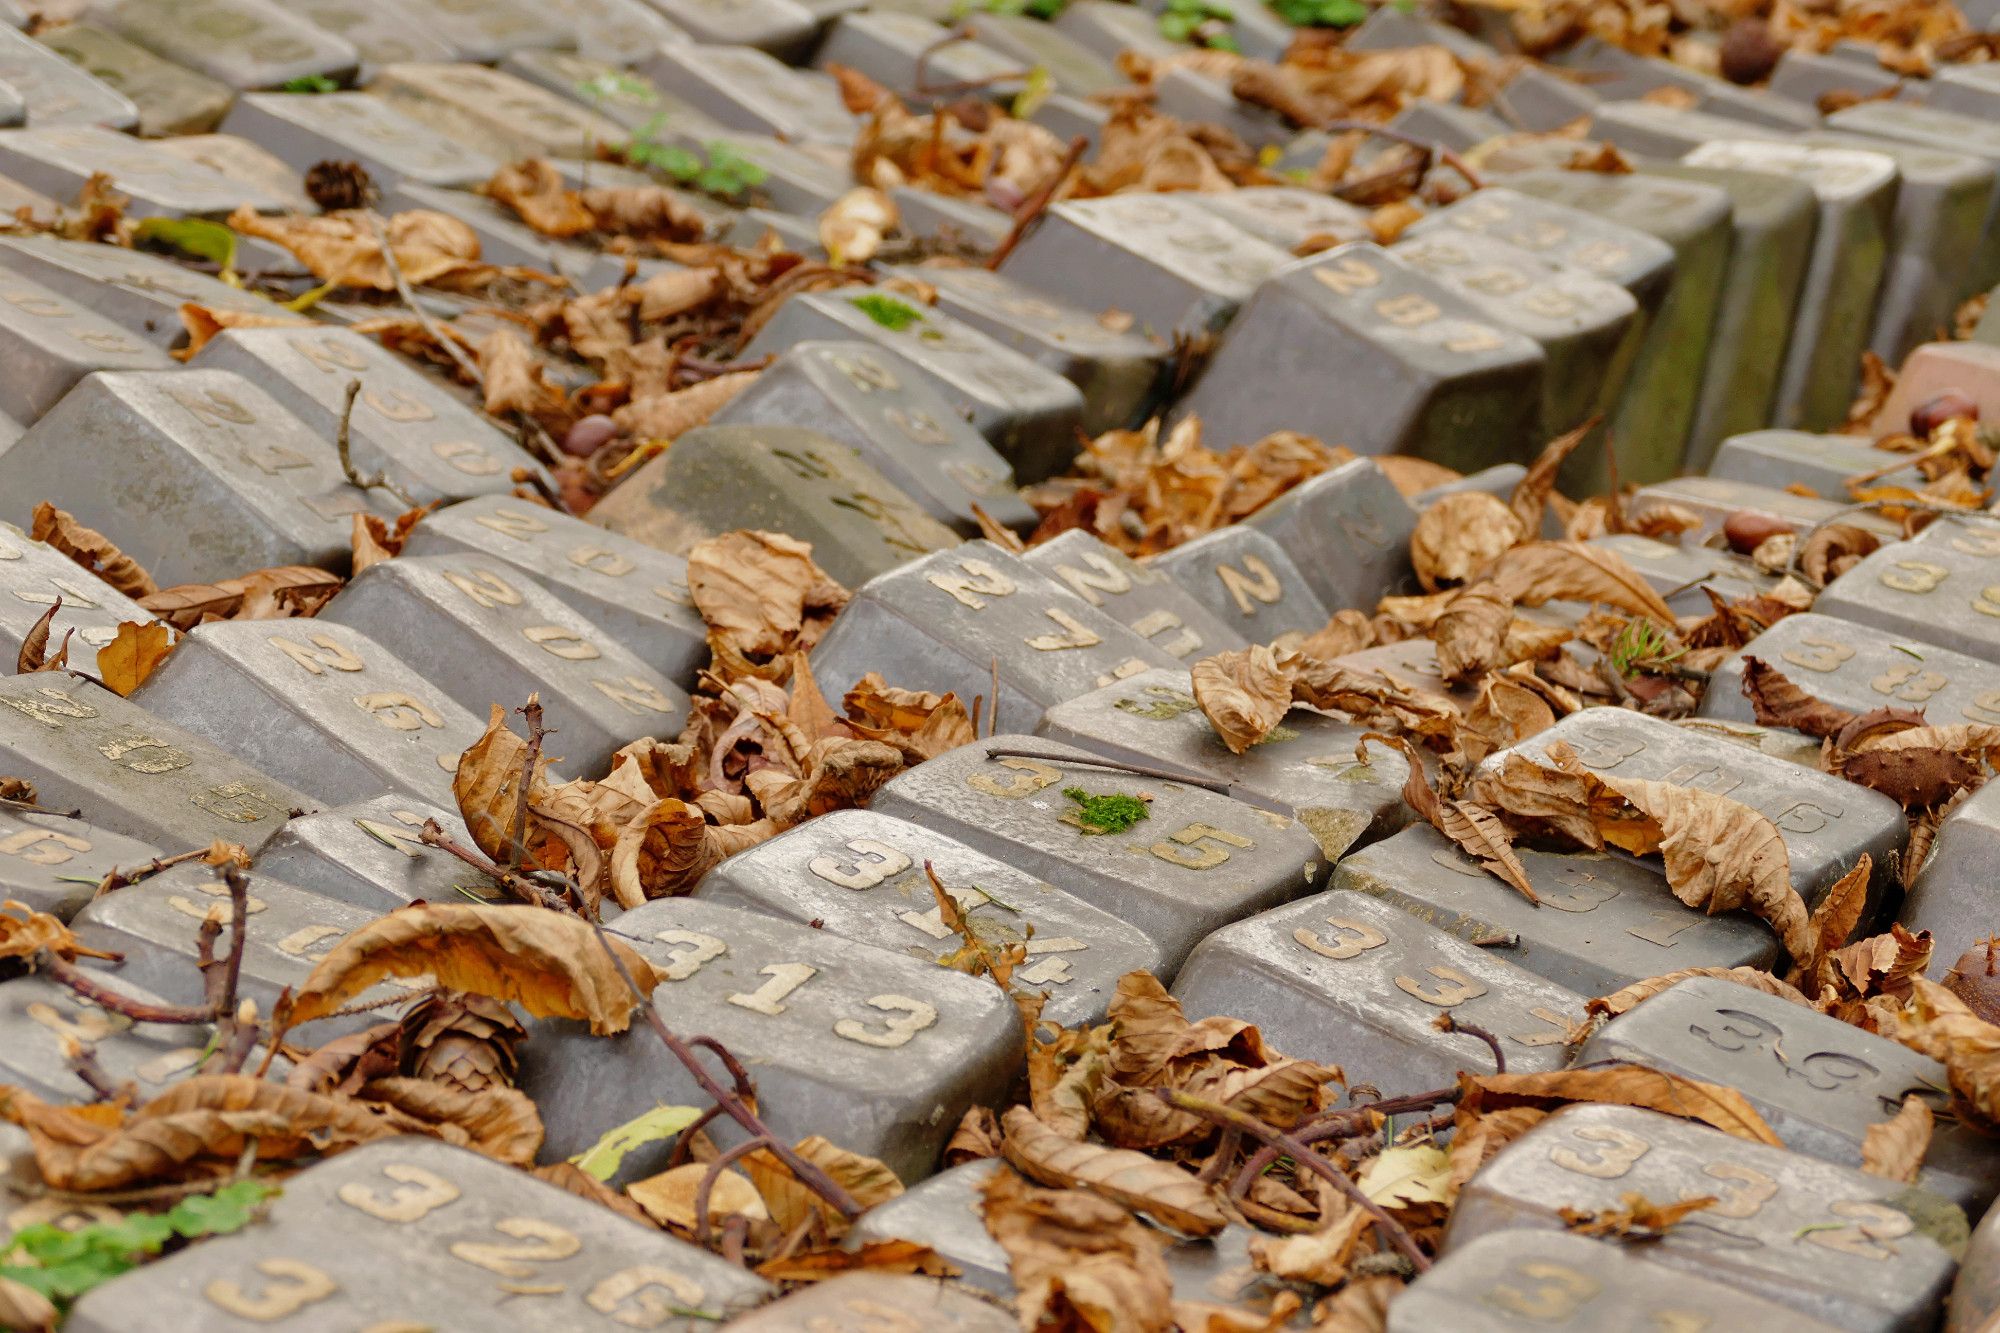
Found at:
(589, 435)
(1934, 411)
(1749, 52)
(1747, 530)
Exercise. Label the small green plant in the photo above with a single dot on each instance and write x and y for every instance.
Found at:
(1034, 9)
(718, 170)
(62, 1265)
(1199, 21)
(1113, 812)
(309, 83)
(1640, 645)
(887, 311)
(1320, 13)
(616, 83)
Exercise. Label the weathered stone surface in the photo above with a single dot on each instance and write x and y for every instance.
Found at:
(54, 863)
(60, 159)
(170, 99)
(370, 854)
(304, 128)
(241, 43)
(33, 577)
(1249, 581)
(497, 114)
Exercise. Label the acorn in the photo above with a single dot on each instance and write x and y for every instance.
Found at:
(1746, 530)
(1749, 51)
(1934, 411)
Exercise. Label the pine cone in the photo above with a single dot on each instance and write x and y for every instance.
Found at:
(463, 1041)
(335, 185)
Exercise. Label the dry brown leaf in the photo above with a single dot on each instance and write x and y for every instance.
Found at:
(663, 853)
(867, 1180)
(487, 787)
(976, 1138)
(666, 416)
(23, 1308)
(1348, 632)
(133, 654)
(763, 599)
(1475, 829)
(1362, 1306)
(1319, 1256)
(1545, 571)
(502, 1123)
(853, 227)
(342, 249)
(517, 381)
(534, 189)
(91, 549)
(1894, 1148)
(1778, 702)
(1833, 549)
(875, 1256)
(28, 934)
(1839, 910)
(1079, 1261)
(34, 653)
(1144, 1184)
(669, 1197)
(1940, 1025)
(1712, 1104)
(1472, 633)
(1460, 535)
(1531, 494)
(1243, 693)
(204, 323)
(550, 963)
(1635, 1218)
(571, 1179)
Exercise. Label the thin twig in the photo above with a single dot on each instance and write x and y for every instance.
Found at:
(35, 808)
(1092, 761)
(520, 886)
(125, 879)
(532, 711)
(409, 295)
(1228, 1117)
(1036, 204)
(343, 445)
(806, 1173)
(1432, 146)
(713, 1174)
(1446, 1023)
(921, 73)
(90, 988)
(83, 1063)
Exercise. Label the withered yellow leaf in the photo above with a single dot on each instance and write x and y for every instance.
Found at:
(133, 654)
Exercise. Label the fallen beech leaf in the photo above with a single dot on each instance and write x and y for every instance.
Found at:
(1937, 1023)
(1472, 632)
(28, 934)
(763, 599)
(1894, 1148)
(487, 787)
(1636, 1217)
(921, 725)
(669, 1197)
(1778, 702)
(1530, 497)
(91, 549)
(1712, 1104)
(342, 249)
(205, 322)
(517, 380)
(1459, 536)
(1417, 1173)
(1079, 1261)
(572, 1181)
(666, 851)
(550, 963)
(1166, 1192)
(133, 654)
(976, 1138)
(1348, 632)
(1545, 571)
(1362, 1306)
(1243, 693)
(1475, 829)
(1319, 1256)
(665, 416)
(1839, 910)
(791, 1203)
(502, 1123)
(1834, 549)
(534, 189)
(875, 1256)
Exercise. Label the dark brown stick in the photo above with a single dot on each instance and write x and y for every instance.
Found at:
(713, 1174)
(1446, 1023)
(532, 711)
(86, 985)
(123, 879)
(524, 889)
(1036, 204)
(83, 1061)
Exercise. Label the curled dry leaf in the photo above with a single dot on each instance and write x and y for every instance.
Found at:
(34, 653)
(1635, 1218)
(665, 416)
(25, 1309)
(1079, 1261)
(278, 593)
(91, 549)
(1472, 633)
(517, 381)
(133, 654)
(1319, 1256)
(1712, 1104)
(550, 963)
(854, 226)
(1778, 702)
(1460, 535)
(1348, 632)
(1834, 549)
(502, 1123)
(204, 323)
(1894, 1148)
(583, 1185)
(1244, 694)
(1531, 494)
(28, 934)
(1166, 1192)
(763, 599)
(1839, 910)
(875, 1256)
(1545, 571)
(1362, 1306)
(867, 1180)
(487, 787)
(1475, 829)
(1921, 766)
(669, 1198)
(1938, 1023)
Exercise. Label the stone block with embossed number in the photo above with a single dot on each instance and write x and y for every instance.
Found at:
(53, 91)
(1524, 1282)
(53, 863)
(1786, 458)
(317, 704)
(370, 854)
(156, 925)
(608, 89)
(33, 578)
(38, 1016)
(1952, 896)
(1072, 68)
(1807, 76)
(481, 1229)
(1680, 573)
(1772, 220)
(1248, 580)
(304, 128)
(489, 636)
(878, 1052)
(1860, 667)
(1136, 595)
(1827, 823)
(796, 179)
(196, 474)
(170, 98)
(1028, 412)
(273, 1280)
(1857, 1251)
(1943, 588)
(777, 479)
(1168, 262)
(1118, 368)
(242, 43)
(878, 404)
(237, 159)
(1856, 193)
(1444, 380)
(1579, 320)
(1341, 977)
(1947, 131)
(1198, 861)
(430, 442)
(51, 343)
(1818, 1082)
(377, 29)
(956, 619)
(1713, 499)
(1348, 529)
(497, 114)
(871, 1302)
(1287, 216)
(131, 772)
(1603, 919)
(748, 89)
(783, 27)
(637, 594)
(1305, 768)
(487, 31)
(861, 875)
(1657, 409)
